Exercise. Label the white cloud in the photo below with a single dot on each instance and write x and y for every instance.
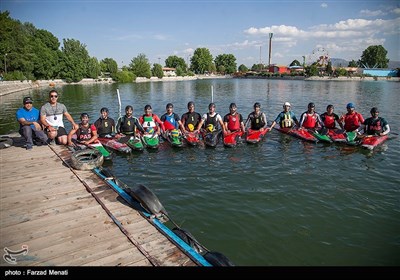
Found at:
(369, 13)
(324, 5)
(160, 37)
(397, 11)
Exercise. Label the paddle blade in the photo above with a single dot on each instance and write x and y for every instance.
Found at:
(217, 259)
(147, 199)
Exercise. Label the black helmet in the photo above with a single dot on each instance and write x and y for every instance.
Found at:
(104, 109)
(329, 107)
(233, 105)
(128, 107)
(311, 105)
(190, 103)
(147, 107)
(84, 115)
(169, 105)
(211, 105)
(257, 104)
(374, 110)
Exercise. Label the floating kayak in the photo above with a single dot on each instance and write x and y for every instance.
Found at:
(351, 138)
(231, 139)
(175, 141)
(151, 141)
(113, 143)
(255, 136)
(302, 134)
(192, 138)
(135, 144)
(321, 137)
(211, 139)
(371, 141)
(337, 135)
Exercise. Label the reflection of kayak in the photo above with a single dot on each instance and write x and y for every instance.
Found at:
(255, 136)
(135, 144)
(211, 139)
(151, 141)
(231, 139)
(114, 144)
(192, 138)
(302, 134)
(370, 142)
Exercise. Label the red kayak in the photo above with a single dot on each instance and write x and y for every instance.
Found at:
(113, 143)
(255, 136)
(302, 134)
(337, 135)
(370, 141)
(192, 138)
(231, 139)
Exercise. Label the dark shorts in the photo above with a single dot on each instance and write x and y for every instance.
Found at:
(60, 131)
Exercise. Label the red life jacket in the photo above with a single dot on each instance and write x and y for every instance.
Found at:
(329, 121)
(310, 120)
(234, 122)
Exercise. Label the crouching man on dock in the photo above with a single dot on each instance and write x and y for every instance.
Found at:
(51, 116)
(29, 124)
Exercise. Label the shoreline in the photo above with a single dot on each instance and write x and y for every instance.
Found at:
(9, 87)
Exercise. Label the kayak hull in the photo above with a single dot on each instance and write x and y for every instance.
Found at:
(255, 136)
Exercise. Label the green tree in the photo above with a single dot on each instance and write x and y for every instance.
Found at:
(374, 56)
(109, 66)
(93, 68)
(174, 61)
(227, 61)
(243, 68)
(125, 76)
(157, 71)
(352, 63)
(201, 61)
(329, 69)
(75, 60)
(140, 66)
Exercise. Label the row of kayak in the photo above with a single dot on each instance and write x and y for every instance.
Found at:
(337, 136)
(127, 144)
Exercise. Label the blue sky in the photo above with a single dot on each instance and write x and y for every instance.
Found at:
(123, 29)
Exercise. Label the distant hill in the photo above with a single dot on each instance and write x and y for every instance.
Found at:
(339, 62)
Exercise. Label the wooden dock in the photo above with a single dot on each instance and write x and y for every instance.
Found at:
(49, 215)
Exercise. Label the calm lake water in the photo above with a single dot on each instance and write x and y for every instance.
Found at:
(282, 202)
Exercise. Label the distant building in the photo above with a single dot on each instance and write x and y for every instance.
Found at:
(281, 69)
(380, 72)
(169, 72)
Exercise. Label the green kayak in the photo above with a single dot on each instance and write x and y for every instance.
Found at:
(151, 141)
(135, 143)
(321, 137)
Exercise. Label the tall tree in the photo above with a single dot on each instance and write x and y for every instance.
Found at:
(157, 71)
(201, 61)
(352, 63)
(227, 62)
(110, 66)
(174, 61)
(140, 66)
(75, 60)
(243, 68)
(374, 56)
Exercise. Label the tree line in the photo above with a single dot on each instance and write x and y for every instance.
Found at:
(28, 53)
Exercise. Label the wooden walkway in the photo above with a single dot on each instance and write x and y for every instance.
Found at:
(45, 207)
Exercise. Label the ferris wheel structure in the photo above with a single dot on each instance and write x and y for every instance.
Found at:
(320, 56)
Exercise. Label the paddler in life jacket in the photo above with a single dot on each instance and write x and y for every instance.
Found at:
(171, 120)
(257, 119)
(233, 121)
(311, 119)
(128, 124)
(85, 134)
(286, 118)
(375, 125)
(329, 118)
(191, 119)
(352, 119)
(212, 118)
(105, 125)
(150, 120)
